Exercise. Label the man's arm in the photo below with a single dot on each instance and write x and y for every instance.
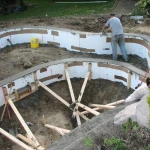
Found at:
(104, 28)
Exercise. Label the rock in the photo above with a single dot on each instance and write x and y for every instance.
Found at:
(123, 116)
(27, 64)
(138, 93)
(147, 21)
(137, 17)
(142, 112)
(140, 22)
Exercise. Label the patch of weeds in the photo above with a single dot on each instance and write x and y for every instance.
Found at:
(88, 141)
(114, 143)
(145, 148)
(129, 125)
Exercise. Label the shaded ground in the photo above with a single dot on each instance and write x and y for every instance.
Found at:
(42, 103)
(22, 57)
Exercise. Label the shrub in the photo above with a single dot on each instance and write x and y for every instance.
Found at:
(144, 6)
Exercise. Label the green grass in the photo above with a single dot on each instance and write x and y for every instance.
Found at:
(49, 7)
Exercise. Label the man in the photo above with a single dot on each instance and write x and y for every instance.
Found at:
(117, 36)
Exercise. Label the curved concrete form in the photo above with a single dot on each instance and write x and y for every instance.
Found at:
(73, 41)
(27, 82)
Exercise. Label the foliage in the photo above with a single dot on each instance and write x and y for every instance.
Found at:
(88, 141)
(145, 148)
(144, 6)
(115, 143)
(48, 8)
(129, 125)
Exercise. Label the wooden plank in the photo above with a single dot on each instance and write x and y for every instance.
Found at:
(129, 80)
(44, 120)
(23, 122)
(54, 94)
(55, 129)
(90, 70)
(83, 116)
(15, 140)
(102, 106)
(110, 104)
(72, 96)
(88, 109)
(35, 81)
(52, 127)
(83, 87)
(28, 141)
(17, 95)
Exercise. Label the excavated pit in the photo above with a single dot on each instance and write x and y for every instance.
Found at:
(33, 107)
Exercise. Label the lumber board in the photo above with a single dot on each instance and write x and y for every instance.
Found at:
(129, 80)
(88, 109)
(83, 87)
(32, 137)
(102, 106)
(15, 140)
(72, 96)
(110, 104)
(25, 139)
(52, 127)
(54, 94)
(55, 128)
(83, 116)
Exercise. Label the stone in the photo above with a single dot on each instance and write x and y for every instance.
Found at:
(142, 112)
(123, 116)
(137, 17)
(27, 64)
(138, 93)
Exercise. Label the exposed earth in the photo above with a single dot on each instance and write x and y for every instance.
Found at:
(21, 57)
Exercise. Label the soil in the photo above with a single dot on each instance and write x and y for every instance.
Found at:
(33, 107)
(41, 103)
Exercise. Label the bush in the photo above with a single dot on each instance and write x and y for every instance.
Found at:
(144, 6)
(115, 144)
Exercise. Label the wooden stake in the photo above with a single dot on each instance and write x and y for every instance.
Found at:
(90, 70)
(35, 81)
(44, 120)
(23, 122)
(72, 96)
(17, 95)
(15, 140)
(83, 87)
(54, 94)
(110, 104)
(83, 116)
(28, 141)
(129, 80)
(88, 109)
(54, 127)
(102, 106)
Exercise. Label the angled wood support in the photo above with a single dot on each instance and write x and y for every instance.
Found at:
(30, 134)
(72, 96)
(54, 127)
(129, 80)
(88, 109)
(15, 140)
(83, 116)
(110, 104)
(83, 87)
(54, 94)
(102, 106)
(25, 139)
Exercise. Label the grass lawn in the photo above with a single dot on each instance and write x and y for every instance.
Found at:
(49, 7)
